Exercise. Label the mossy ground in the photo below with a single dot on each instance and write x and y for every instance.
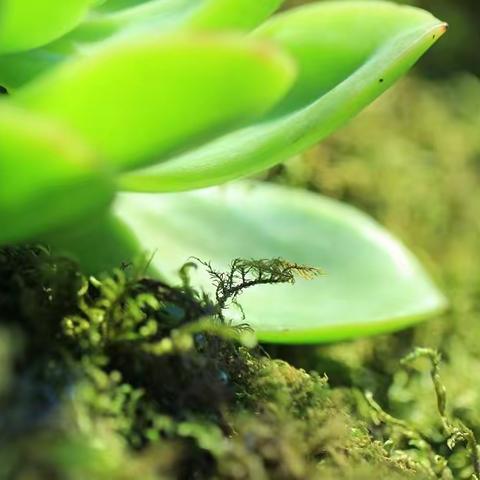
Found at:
(121, 377)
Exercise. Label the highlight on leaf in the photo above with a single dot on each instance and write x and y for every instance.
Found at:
(115, 21)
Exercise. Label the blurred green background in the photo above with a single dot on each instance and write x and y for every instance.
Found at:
(412, 160)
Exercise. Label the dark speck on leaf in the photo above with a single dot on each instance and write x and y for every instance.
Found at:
(381, 80)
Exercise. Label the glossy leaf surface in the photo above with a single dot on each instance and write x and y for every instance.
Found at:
(348, 52)
(155, 95)
(372, 283)
(26, 24)
(48, 177)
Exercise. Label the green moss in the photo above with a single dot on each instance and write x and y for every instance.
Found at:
(123, 375)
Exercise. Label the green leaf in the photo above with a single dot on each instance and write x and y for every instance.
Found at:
(102, 243)
(348, 52)
(156, 95)
(127, 18)
(26, 24)
(18, 69)
(372, 283)
(49, 178)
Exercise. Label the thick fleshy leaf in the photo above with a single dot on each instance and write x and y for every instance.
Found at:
(26, 24)
(48, 177)
(129, 18)
(372, 283)
(155, 95)
(348, 52)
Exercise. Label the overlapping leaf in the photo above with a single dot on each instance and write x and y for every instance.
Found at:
(348, 52)
(154, 95)
(48, 177)
(117, 20)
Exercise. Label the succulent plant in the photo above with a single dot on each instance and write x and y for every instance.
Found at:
(114, 109)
